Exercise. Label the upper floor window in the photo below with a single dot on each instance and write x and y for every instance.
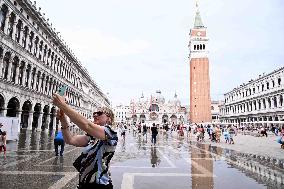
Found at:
(273, 84)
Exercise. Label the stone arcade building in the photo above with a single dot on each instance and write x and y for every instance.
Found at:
(34, 63)
(258, 100)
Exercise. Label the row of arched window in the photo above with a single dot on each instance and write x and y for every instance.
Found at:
(36, 45)
(261, 87)
(259, 104)
(22, 73)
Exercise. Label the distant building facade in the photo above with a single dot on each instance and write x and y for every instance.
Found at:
(215, 111)
(122, 114)
(34, 63)
(260, 99)
(200, 101)
(156, 110)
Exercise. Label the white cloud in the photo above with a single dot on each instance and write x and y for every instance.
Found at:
(92, 43)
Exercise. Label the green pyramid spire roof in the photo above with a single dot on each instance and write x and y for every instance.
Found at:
(197, 21)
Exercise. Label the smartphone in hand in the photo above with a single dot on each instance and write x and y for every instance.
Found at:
(62, 90)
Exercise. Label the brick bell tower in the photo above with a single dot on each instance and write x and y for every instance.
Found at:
(200, 101)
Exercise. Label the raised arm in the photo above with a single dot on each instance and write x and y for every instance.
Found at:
(83, 123)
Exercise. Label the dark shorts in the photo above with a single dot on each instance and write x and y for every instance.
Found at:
(3, 147)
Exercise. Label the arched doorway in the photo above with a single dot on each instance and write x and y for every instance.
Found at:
(27, 107)
(173, 119)
(13, 107)
(134, 118)
(142, 118)
(165, 118)
(45, 115)
(37, 110)
(52, 115)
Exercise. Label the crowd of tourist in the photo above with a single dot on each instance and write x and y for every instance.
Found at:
(204, 132)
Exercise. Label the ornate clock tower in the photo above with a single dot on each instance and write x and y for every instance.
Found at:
(200, 102)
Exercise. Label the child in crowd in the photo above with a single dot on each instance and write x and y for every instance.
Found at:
(226, 136)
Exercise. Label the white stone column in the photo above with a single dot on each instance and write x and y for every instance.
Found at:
(30, 120)
(272, 102)
(261, 104)
(6, 27)
(24, 76)
(35, 80)
(39, 121)
(47, 89)
(278, 101)
(54, 119)
(1, 66)
(30, 79)
(266, 104)
(17, 74)
(28, 42)
(9, 70)
(43, 85)
(47, 121)
(33, 45)
(21, 36)
(40, 83)
(3, 112)
(14, 29)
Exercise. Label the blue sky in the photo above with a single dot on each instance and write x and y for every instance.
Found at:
(130, 46)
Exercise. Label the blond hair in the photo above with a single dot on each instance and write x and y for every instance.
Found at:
(109, 114)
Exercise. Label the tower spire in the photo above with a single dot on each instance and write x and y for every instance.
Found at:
(197, 21)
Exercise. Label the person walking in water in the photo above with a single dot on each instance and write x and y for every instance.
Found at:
(59, 141)
(154, 134)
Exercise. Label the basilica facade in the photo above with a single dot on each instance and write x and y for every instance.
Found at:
(155, 109)
(34, 63)
(259, 100)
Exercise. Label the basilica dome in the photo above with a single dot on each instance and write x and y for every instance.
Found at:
(158, 98)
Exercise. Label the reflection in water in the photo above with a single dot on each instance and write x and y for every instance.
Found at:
(22, 140)
(155, 160)
(59, 161)
(261, 170)
(123, 147)
(33, 140)
(202, 160)
(43, 140)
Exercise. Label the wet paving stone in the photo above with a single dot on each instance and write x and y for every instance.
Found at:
(172, 163)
